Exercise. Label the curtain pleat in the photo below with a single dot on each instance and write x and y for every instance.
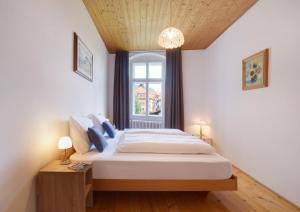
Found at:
(174, 111)
(121, 91)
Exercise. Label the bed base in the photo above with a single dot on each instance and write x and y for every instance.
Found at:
(165, 185)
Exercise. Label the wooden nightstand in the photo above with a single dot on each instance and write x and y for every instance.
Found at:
(207, 140)
(60, 189)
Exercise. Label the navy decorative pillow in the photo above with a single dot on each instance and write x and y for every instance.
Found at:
(97, 138)
(107, 126)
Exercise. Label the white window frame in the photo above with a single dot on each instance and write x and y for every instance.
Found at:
(147, 58)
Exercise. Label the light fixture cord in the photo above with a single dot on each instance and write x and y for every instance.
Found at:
(170, 8)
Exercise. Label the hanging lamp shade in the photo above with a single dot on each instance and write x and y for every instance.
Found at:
(171, 38)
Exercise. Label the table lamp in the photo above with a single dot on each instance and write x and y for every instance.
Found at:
(65, 143)
(201, 124)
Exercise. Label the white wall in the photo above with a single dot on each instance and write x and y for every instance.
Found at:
(258, 130)
(194, 89)
(39, 90)
(110, 84)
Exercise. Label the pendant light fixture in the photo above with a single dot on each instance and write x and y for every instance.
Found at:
(170, 37)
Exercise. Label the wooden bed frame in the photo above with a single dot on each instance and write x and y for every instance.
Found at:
(165, 185)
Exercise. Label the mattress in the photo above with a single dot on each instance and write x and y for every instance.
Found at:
(111, 164)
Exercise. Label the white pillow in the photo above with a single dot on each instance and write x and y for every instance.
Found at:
(98, 120)
(78, 133)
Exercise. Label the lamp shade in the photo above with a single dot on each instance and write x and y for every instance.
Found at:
(64, 143)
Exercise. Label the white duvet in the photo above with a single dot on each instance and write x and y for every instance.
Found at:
(169, 141)
(156, 131)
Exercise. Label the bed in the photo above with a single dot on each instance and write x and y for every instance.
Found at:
(118, 171)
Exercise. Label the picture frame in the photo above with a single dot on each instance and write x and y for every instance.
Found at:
(255, 70)
(83, 59)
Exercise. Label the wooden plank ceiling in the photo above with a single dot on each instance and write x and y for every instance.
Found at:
(134, 25)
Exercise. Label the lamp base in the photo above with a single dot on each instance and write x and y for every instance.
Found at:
(201, 134)
(65, 162)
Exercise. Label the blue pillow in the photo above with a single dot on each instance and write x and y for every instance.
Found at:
(97, 138)
(107, 126)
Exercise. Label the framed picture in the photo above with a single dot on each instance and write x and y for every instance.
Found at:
(255, 70)
(83, 59)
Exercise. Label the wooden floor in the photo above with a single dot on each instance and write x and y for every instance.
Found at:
(251, 196)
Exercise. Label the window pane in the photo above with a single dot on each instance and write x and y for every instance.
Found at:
(139, 98)
(139, 70)
(154, 98)
(155, 70)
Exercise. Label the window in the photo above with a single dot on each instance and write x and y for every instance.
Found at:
(147, 86)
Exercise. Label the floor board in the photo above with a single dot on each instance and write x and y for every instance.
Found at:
(251, 196)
